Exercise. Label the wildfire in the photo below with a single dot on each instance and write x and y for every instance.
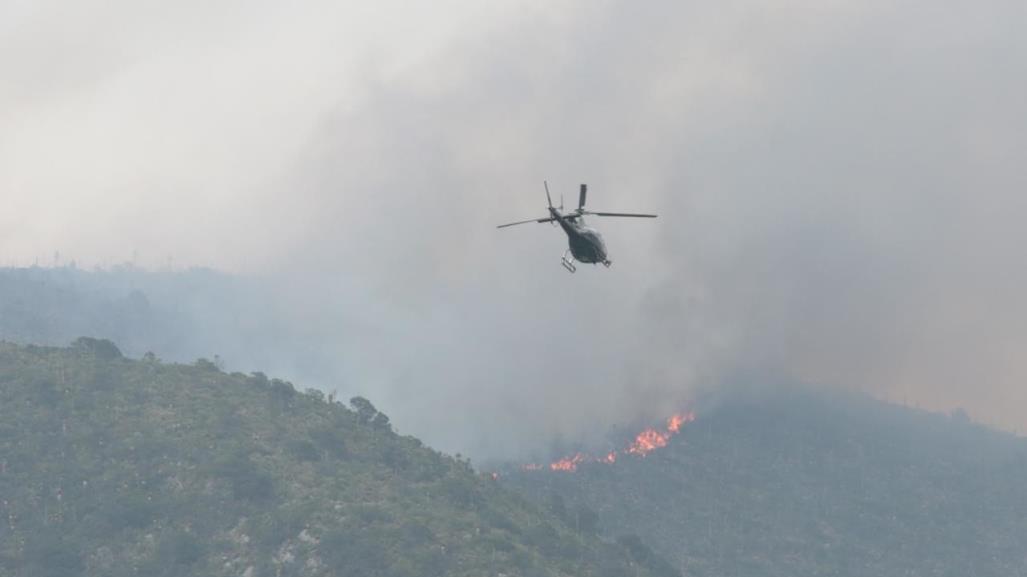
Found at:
(645, 442)
(674, 423)
(648, 441)
(570, 464)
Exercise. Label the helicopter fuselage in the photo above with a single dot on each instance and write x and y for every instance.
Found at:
(585, 243)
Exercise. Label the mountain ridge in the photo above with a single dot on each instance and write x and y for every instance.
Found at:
(121, 467)
(789, 481)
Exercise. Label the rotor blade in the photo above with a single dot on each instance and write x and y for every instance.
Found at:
(526, 222)
(621, 214)
(581, 196)
(541, 220)
(548, 198)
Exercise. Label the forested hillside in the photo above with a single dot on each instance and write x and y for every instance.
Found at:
(789, 483)
(112, 466)
(115, 467)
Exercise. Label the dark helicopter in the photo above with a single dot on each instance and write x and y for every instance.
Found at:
(586, 244)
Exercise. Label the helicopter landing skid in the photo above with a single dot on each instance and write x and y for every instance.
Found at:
(567, 263)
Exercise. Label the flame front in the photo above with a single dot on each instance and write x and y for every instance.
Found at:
(674, 423)
(648, 441)
(645, 442)
(570, 464)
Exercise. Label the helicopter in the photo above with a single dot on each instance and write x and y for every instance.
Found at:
(585, 244)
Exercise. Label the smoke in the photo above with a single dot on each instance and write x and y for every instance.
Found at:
(839, 184)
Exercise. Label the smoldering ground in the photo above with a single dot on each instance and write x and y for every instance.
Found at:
(839, 187)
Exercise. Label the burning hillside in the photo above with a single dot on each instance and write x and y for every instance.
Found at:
(795, 481)
(644, 443)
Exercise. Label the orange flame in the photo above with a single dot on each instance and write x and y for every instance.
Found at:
(570, 464)
(648, 441)
(674, 423)
(645, 442)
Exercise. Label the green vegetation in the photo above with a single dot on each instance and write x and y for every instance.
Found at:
(796, 483)
(110, 466)
(115, 467)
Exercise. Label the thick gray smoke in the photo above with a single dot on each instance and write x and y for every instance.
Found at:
(840, 187)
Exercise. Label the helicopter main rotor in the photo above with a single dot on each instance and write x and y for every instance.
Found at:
(556, 215)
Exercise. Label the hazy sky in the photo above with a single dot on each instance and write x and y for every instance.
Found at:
(841, 187)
